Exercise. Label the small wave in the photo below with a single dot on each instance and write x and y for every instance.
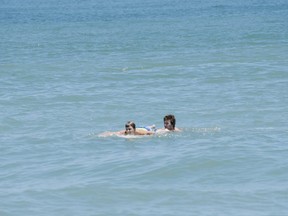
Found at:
(203, 129)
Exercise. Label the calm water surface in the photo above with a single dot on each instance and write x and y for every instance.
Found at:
(71, 70)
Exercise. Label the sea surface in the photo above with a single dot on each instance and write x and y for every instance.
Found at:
(71, 70)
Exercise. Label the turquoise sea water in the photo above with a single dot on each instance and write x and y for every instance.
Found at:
(71, 70)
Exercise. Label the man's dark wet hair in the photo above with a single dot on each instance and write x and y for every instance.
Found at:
(171, 118)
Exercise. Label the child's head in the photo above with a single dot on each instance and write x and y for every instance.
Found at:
(130, 128)
(169, 122)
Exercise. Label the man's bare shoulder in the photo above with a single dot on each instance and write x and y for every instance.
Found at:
(177, 129)
(164, 130)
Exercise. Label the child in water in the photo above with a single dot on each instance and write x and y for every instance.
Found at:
(130, 129)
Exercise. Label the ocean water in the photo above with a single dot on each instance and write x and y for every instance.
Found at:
(70, 70)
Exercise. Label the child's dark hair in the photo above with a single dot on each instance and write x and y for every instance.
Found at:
(130, 123)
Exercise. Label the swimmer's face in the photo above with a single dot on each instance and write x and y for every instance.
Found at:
(129, 129)
(168, 125)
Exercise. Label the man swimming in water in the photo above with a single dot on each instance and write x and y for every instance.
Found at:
(169, 124)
